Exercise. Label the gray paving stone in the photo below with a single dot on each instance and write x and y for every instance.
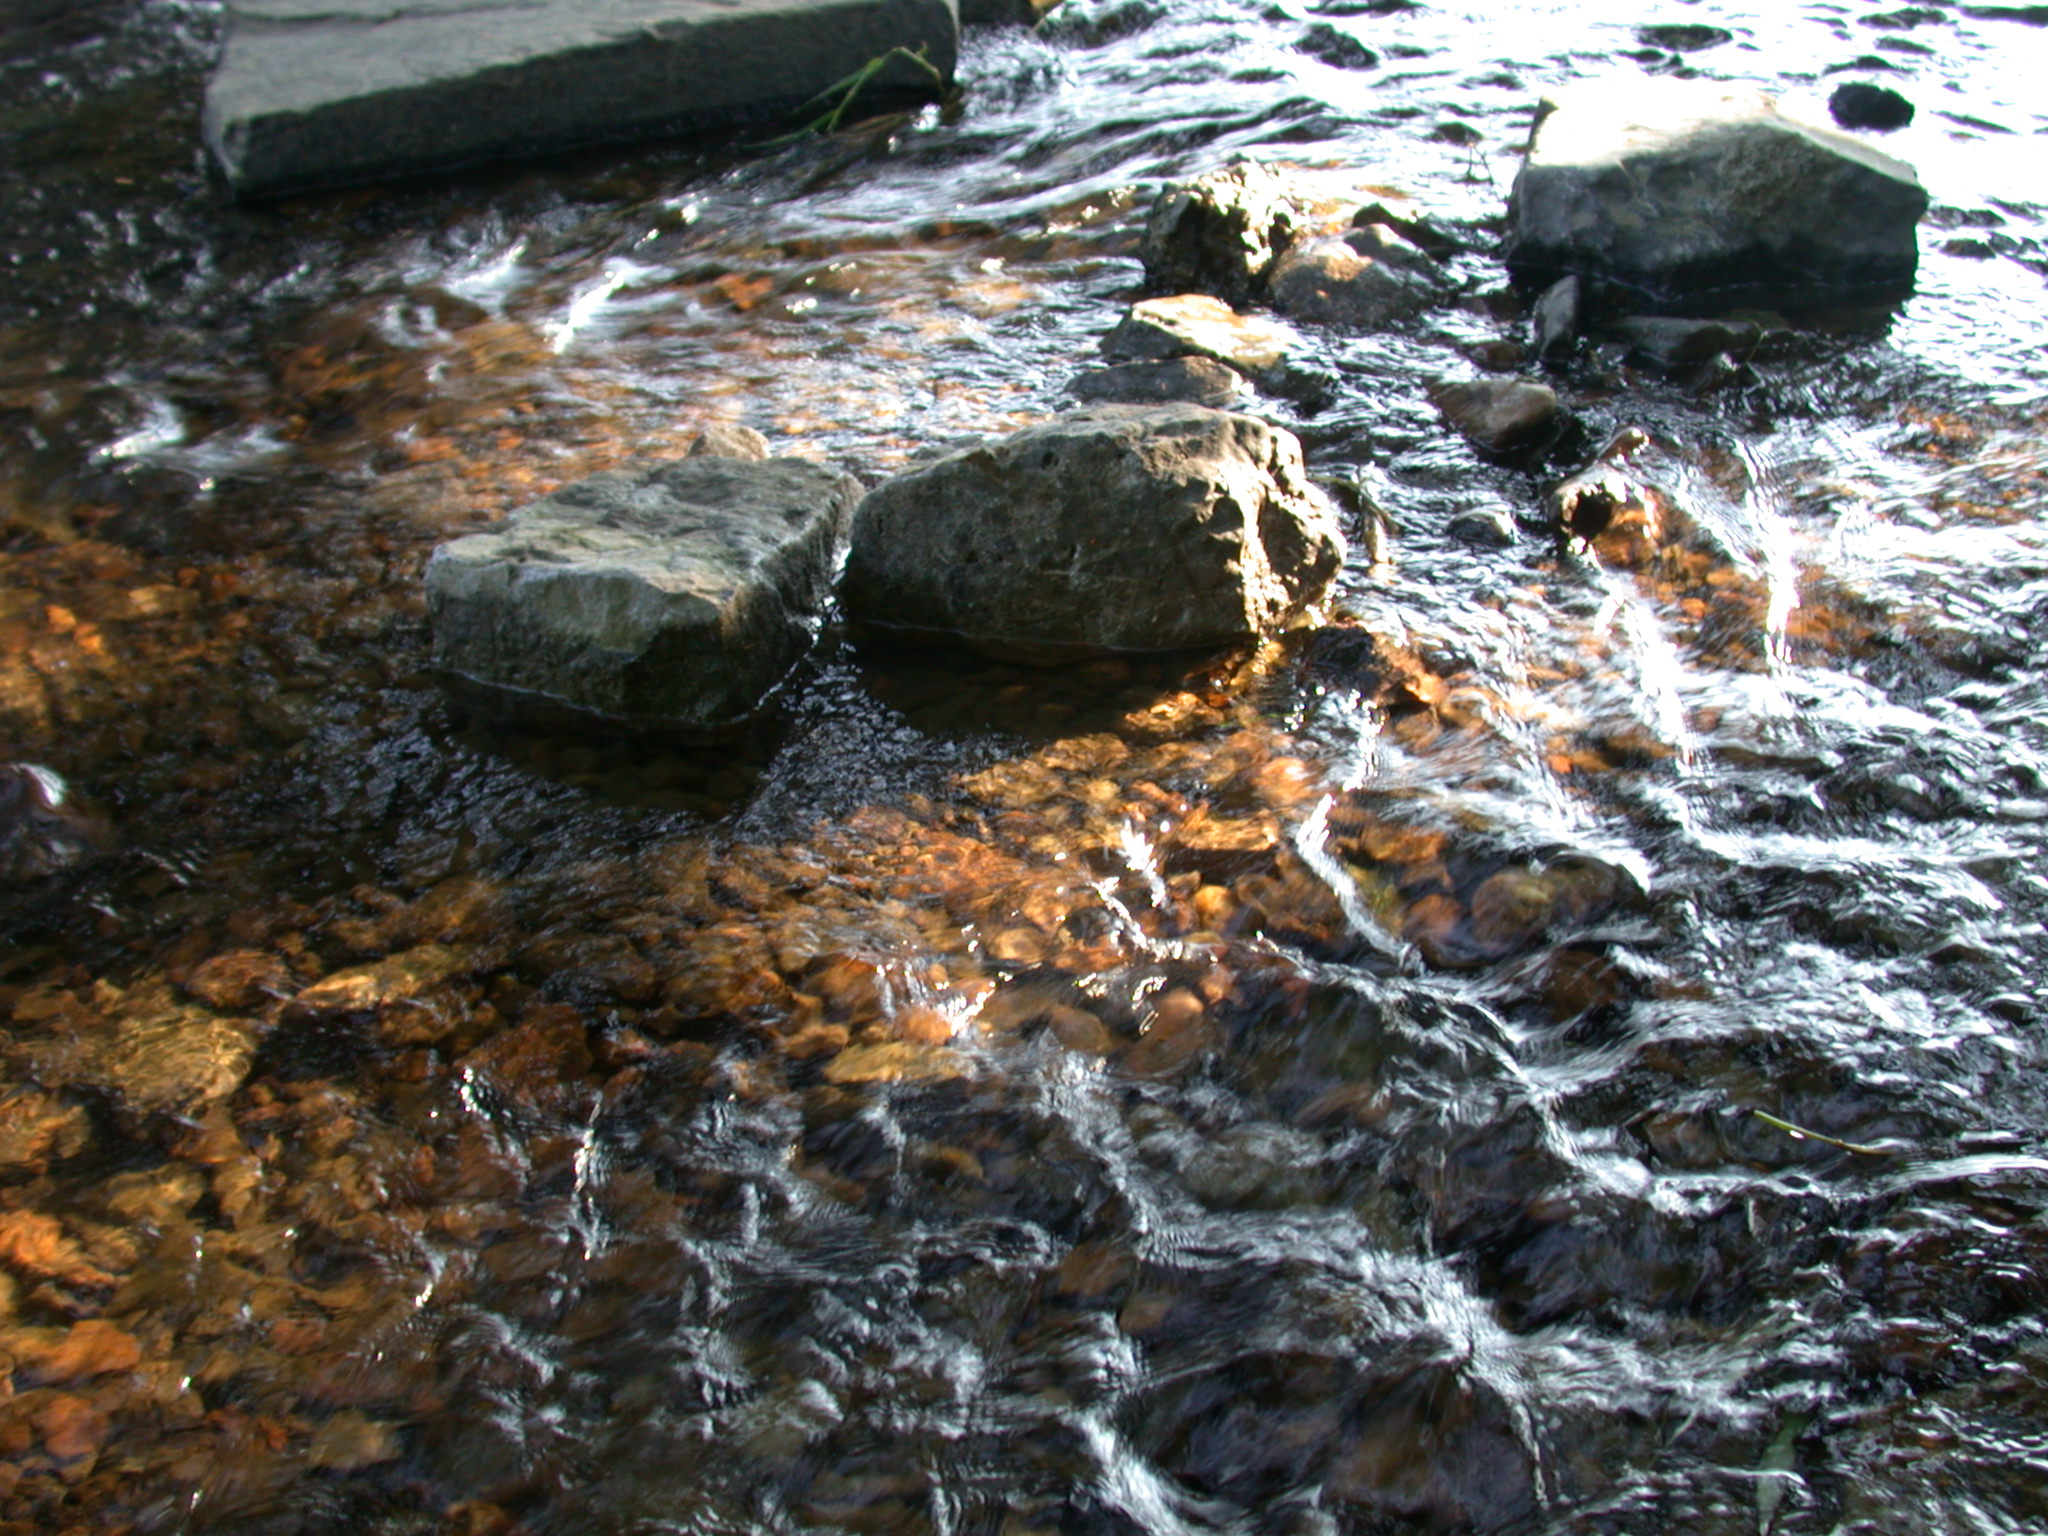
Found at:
(324, 92)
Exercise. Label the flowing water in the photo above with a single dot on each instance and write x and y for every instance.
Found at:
(1555, 1048)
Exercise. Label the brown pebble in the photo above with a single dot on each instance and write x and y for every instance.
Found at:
(70, 1426)
(925, 1026)
(1079, 1030)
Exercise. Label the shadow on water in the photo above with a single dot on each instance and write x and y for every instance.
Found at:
(1548, 1048)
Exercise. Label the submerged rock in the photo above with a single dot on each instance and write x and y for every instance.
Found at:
(1117, 528)
(676, 596)
(320, 92)
(1221, 233)
(43, 829)
(1687, 193)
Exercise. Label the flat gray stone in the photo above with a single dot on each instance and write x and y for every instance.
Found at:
(324, 92)
(675, 597)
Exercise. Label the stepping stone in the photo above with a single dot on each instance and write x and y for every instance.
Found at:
(673, 598)
(322, 92)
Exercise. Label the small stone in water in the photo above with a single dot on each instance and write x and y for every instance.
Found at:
(727, 440)
(1861, 105)
(1499, 416)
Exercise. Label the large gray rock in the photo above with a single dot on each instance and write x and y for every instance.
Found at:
(673, 597)
(1117, 528)
(320, 92)
(1688, 193)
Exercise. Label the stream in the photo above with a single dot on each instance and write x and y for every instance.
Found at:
(1553, 1047)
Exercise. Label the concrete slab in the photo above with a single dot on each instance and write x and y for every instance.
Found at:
(315, 93)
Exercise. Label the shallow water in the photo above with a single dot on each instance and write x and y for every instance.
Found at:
(1554, 1050)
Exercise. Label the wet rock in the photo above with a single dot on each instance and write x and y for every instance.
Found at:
(321, 92)
(1483, 528)
(1190, 380)
(895, 1061)
(1335, 47)
(1554, 320)
(1221, 233)
(1442, 1450)
(239, 981)
(1371, 278)
(1005, 13)
(1685, 191)
(1859, 104)
(676, 596)
(43, 828)
(725, 440)
(1217, 536)
(391, 980)
(1683, 37)
(37, 1127)
(1674, 345)
(1196, 325)
(1502, 417)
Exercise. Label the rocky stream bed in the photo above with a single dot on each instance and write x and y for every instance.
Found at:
(1550, 1043)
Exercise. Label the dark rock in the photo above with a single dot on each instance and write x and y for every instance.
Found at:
(1690, 193)
(1499, 416)
(1334, 46)
(43, 829)
(1483, 528)
(1188, 380)
(1117, 528)
(1370, 278)
(1674, 345)
(1861, 105)
(1684, 37)
(1004, 13)
(1420, 233)
(1221, 233)
(321, 92)
(676, 596)
(1554, 322)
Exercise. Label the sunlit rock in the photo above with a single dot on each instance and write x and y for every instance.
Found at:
(1679, 192)
(1121, 528)
(1502, 417)
(1221, 233)
(1266, 351)
(320, 92)
(670, 597)
(1369, 278)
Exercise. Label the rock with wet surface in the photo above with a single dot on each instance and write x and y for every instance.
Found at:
(1193, 380)
(1859, 104)
(43, 829)
(1687, 194)
(1266, 351)
(1221, 233)
(1370, 278)
(1673, 344)
(324, 92)
(1499, 416)
(671, 597)
(1116, 528)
